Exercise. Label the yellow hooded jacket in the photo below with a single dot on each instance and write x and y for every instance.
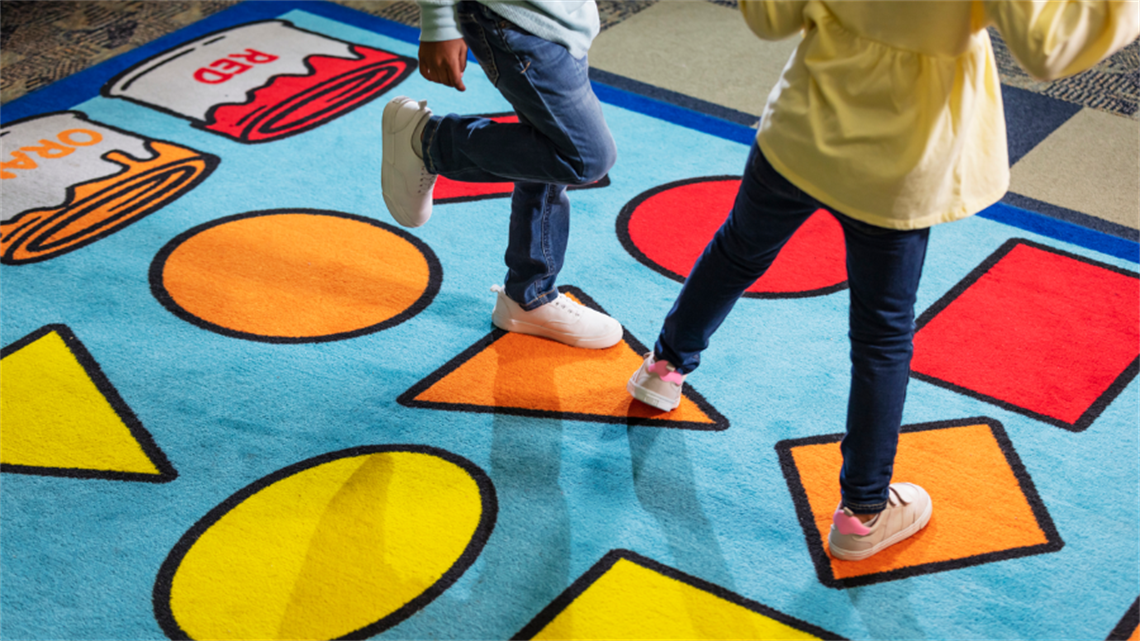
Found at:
(890, 111)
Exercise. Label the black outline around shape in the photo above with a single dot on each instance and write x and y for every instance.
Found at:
(165, 578)
(822, 561)
(166, 471)
(1128, 623)
(366, 77)
(158, 289)
(623, 235)
(104, 91)
(1098, 405)
(583, 583)
(408, 398)
(604, 181)
(155, 202)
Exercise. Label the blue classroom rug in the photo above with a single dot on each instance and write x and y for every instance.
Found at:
(239, 402)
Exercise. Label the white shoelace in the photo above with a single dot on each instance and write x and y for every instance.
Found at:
(565, 303)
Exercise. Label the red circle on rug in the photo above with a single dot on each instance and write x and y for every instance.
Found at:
(668, 227)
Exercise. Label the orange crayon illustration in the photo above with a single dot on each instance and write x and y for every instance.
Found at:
(261, 81)
(69, 181)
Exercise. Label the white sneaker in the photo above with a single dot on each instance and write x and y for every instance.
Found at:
(561, 319)
(656, 383)
(908, 510)
(404, 180)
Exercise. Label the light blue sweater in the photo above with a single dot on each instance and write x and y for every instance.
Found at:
(570, 23)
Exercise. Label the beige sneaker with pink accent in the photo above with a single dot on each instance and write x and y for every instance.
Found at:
(908, 510)
(657, 383)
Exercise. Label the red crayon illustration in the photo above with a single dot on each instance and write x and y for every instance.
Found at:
(261, 81)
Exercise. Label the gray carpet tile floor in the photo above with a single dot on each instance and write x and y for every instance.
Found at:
(1075, 143)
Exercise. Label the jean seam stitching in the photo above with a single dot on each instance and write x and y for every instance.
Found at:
(429, 161)
(545, 298)
(491, 57)
(546, 257)
(577, 155)
(493, 74)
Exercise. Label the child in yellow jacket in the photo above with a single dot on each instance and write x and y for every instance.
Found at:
(888, 115)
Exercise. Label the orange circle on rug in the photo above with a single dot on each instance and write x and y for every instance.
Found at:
(295, 276)
(666, 228)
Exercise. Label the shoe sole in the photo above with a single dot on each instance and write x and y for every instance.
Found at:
(404, 222)
(652, 399)
(598, 342)
(386, 119)
(897, 537)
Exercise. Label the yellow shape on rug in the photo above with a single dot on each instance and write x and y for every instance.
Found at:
(329, 550)
(53, 415)
(630, 601)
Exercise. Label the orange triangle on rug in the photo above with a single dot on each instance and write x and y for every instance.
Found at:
(509, 373)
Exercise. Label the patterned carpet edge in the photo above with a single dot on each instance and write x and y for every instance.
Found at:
(46, 40)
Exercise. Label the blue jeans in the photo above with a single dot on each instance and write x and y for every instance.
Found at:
(883, 270)
(561, 139)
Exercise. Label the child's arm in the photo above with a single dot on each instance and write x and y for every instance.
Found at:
(774, 19)
(443, 54)
(1059, 38)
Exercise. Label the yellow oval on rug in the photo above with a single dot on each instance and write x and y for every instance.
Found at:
(356, 542)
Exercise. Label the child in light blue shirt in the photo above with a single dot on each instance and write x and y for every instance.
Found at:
(535, 55)
(572, 24)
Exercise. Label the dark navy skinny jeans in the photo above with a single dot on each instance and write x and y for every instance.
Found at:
(883, 270)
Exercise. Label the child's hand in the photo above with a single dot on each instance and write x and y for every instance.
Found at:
(444, 62)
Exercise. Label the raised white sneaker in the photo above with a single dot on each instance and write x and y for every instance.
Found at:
(656, 383)
(561, 319)
(908, 510)
(404, 180)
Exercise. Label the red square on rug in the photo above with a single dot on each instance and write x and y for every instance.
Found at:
(985, 505)
(1035, 330)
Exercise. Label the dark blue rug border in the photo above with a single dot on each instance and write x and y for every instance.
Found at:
(674, 114)
(672, 97)
(82, 86)
(1061, 230)
(1072, 216)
